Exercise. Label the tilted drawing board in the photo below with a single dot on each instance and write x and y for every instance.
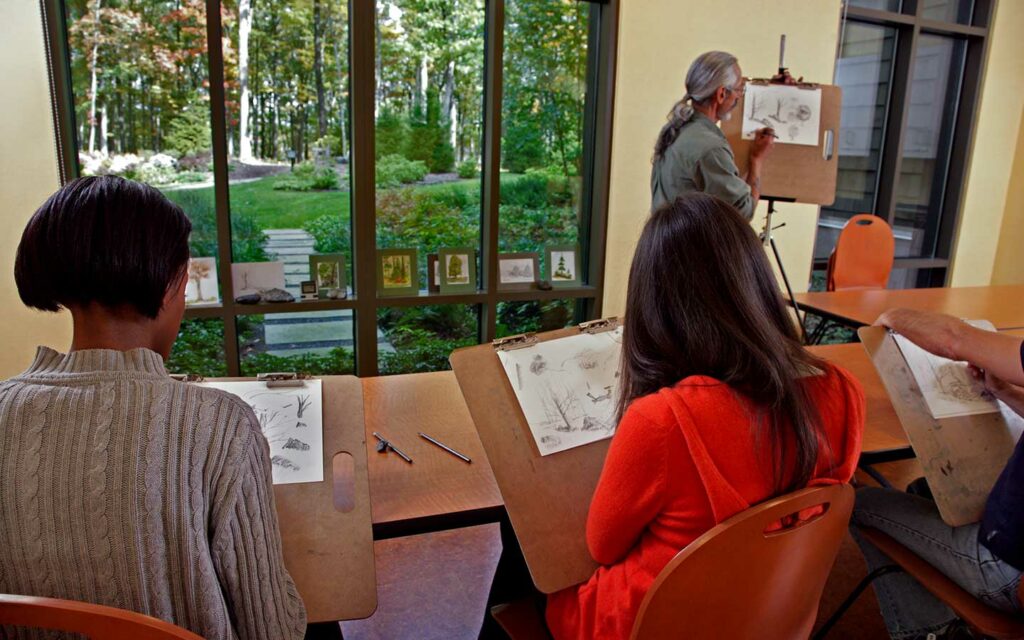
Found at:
(961, 456)
(799, 172)
(326, 527)
(547, 497)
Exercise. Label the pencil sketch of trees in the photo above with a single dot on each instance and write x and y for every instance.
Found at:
(304, 403)
(284, 463)
(295, 443)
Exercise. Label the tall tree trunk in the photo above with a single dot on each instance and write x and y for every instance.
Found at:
(244, 27)
(94, 81)
(342, 102)
(105, 146)
(318, 70)
(448, 101)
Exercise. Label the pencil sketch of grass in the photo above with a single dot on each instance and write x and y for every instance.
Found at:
(295, 443)
(284, 463)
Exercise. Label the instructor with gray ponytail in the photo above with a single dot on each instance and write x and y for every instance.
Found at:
(692, 153)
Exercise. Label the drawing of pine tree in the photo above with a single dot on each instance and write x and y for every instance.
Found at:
(560, 271)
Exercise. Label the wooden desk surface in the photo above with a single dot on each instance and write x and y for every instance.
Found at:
(438, 490)
(882, 428)
(1002, 305)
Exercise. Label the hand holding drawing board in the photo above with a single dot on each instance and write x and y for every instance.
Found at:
(960, 438)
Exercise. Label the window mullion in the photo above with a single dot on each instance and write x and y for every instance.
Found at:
(494, 39)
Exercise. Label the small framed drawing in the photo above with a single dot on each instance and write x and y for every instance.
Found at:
(517, 271)
(250, 277)
(398, 274)
(563, 265)
(458, 270)
(328, 271)
(433, 273)
(202, 288)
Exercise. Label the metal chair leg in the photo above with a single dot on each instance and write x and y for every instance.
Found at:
(850, 599)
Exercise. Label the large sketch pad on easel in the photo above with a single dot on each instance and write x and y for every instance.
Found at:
(794, 113)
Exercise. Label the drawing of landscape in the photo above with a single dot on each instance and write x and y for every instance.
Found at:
(948, 388)
(794, 113)
(291, 419)
(567, 388)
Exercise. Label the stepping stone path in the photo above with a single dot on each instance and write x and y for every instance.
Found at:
(296, 333)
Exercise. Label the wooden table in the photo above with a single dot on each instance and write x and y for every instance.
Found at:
(438, 491)
(1002, 305)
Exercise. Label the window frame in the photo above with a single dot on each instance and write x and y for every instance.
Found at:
(365, 302)
(910, 26)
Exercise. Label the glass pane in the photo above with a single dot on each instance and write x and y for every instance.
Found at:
(916, 278)
(864, 70)
(142, 105)
(948, 10)
(199, 348)
(535, 315)
(927, 142)
(416, 339)
(286, 86)
(429, 125)
(316, 342)
(542, 150)
(885, 5)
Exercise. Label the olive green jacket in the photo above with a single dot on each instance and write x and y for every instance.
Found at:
(700, 159)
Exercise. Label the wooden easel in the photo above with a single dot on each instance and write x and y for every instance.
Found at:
(547, 497)
(962, 456)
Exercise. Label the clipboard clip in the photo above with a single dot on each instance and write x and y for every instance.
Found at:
(283, 379)
(187, 377)
(519, 341)
(599, 326)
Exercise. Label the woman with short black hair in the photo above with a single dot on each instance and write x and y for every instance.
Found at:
(119, 485)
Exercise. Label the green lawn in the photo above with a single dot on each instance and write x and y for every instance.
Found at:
(273, 209)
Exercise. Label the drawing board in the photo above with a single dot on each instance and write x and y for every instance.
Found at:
(546, 497)
(291, 419)
(961, 455)
(567, 388)
(803, 164)
(794, 113)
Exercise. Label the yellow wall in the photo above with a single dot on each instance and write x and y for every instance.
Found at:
(28, 174)
(657, 41)
(1009, 268)
(995, 145)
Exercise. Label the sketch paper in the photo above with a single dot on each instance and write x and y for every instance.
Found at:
(516, 270)
(251, 277)
(567, 388)
(291, 419)
(794, 113)
(202, 282)
(948, 388)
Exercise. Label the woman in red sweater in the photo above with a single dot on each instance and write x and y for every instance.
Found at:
(720, 408)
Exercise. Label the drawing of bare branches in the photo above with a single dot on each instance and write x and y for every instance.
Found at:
(304, 403)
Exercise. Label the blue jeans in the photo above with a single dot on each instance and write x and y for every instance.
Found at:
(909, 610)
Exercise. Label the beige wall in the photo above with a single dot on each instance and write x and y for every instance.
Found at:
(995, 145)
(1009, 268)
(657, 41)
(28, 174)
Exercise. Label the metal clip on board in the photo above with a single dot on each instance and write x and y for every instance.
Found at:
(529, 339)
(187, 377)
(283, 379)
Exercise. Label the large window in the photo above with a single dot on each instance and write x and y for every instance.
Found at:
(318, 139)
(910, 73)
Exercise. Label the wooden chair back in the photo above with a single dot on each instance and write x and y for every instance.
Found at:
(986, 621)
(741, 580)
(863, 255)
(95, 621)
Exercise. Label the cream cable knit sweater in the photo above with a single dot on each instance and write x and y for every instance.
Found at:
(122, 487)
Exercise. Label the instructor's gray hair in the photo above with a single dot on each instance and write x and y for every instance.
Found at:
(708, 72)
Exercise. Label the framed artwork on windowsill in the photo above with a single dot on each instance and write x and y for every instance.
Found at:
(518, 271)
(398, 273)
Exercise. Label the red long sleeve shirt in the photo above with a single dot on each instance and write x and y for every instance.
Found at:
(683, 460)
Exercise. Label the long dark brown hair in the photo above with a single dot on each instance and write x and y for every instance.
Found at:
(702, 300)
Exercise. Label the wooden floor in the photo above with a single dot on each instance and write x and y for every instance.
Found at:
(436, 585)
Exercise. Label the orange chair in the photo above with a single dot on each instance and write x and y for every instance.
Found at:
(738, 580)
(985, 621)
(863, 255)
(93, 620)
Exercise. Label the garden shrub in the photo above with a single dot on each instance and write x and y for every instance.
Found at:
(199, 349)
(331, 233)
(189, 132)
(467, 169)
(307, 177)
(391, 133)
(338, 360)
(395, 170)
(424, 337)
(247, 237)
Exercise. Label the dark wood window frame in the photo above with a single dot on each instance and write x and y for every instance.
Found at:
(597, 131)
(910, 25)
